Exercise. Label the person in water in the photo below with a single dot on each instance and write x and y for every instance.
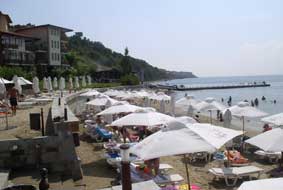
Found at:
(263, 98)
(256, 102)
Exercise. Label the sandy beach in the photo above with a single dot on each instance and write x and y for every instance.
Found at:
(98, 174)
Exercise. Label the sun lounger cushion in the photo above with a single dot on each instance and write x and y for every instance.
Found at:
(235, 173)
(103, 133)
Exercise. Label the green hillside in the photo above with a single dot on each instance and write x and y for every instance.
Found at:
(86, 53)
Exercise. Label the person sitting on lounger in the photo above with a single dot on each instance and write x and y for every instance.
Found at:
(266, 127)
(153, 165)
(235, 157)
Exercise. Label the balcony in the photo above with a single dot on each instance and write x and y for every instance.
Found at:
(14, 57)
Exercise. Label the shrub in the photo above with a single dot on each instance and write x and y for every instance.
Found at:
(129, 79)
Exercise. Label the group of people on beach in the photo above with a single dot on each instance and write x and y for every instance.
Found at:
(254, 102)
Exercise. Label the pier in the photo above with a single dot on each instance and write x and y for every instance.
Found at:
(208, 87)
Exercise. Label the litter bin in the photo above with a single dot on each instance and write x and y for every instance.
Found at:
(34, 121)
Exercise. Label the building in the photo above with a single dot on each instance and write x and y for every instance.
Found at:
(13, 49)
(51, 46)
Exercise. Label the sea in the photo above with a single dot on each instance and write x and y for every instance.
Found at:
(274, 92)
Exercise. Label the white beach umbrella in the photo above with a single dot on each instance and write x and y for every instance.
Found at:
(23, 81)
(35, 85)
(276, 119)
(2, 88)
(269, 141)
(77, 83)
(172, 105)
(117, 109)
(187, 102)
(243, 109)
(55, 83)
(227, 118)
(45, 85)
(49, 84)
(186, 120)
(62, 83)
(143, 117)
(215, 135)
(83, 81)
(71, 85)
(210, 104)
(102, 101)
(262, 184)
(17, 85)
(89, 80)
(90, 93)
(174, 138)
(162, 106)
(4, 81)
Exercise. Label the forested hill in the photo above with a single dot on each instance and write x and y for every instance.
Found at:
(90, 52)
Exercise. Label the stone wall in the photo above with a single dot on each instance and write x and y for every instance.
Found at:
(56, 153)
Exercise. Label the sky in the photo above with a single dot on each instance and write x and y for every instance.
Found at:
(206, 37)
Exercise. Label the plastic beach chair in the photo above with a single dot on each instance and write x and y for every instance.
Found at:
(235, 173)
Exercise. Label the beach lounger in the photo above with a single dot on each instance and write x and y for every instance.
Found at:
(146, 185)
(235, 173)
(102, 133)
(272, 157)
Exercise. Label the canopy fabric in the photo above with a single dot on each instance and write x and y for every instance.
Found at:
(71, 86)
(116, 109)
(276, 119)
(77, 83)
(35, 85)
(174, 140)
(62, 84)
(227, 118)
(49, 84)
(17, 84)
(186, 120)
(243, 109)
(272, 184)
(83, 81)
(215, 135)
(23, 81)
(269, 140)
(89, 80)
(102, 101)
(90, 93)
(55, 83)
(4, 81)
(2, 88)
(209, 104)
(45, 85)
(160, 96)
(186, 101)
(143, 117)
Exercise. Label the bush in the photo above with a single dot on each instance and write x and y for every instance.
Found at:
(130, 79)
(9, 72)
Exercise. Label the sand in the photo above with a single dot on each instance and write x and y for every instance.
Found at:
(97, 173)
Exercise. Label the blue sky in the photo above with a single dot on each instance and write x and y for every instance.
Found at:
(207, 37)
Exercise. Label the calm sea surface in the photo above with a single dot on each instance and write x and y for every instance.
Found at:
(275, 92)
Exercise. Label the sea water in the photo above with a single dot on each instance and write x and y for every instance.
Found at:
(274, 92)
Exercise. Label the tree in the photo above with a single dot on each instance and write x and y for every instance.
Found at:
(125, 63)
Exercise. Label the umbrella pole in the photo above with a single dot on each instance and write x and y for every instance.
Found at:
(187, 172)
(210, 116)
(242, 146)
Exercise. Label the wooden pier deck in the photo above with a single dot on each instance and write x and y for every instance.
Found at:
(211, 87)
